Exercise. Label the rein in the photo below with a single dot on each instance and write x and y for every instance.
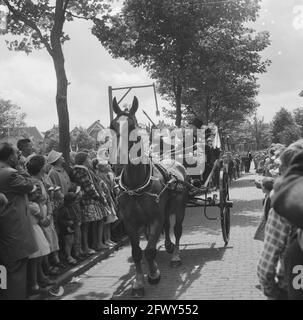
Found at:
(140, 191)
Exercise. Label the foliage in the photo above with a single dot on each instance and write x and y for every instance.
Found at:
(189, 45)
(289, 135)
(298, 117)
(51, 140)
(282, 121)
(10, 115)
(35, 22)
(40, 24)
(81, 140)
(254, 132)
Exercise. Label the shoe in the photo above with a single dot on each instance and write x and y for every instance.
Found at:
(103, 247)
(46, 283)
(56, 292)
(79, 257)
(54, 271)
(71, 261)
(60, 265)
(36, 290)
(89, 252)
(97, 249)
(111, 245)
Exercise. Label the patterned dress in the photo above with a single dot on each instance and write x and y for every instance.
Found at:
(91, 201)
(107, 185)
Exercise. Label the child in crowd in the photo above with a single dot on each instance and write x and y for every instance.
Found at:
(68, 220)
(38, 219)
(267, 185)
(108, 185)
(36, 168)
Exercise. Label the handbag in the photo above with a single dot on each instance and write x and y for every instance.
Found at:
(111, 217)
(44, 223)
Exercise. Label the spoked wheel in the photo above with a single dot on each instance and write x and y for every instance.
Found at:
(225, 206)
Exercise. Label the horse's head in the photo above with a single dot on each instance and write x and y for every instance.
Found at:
(124, 123)
(124, 118)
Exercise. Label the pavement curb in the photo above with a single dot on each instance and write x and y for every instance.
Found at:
(81, 268)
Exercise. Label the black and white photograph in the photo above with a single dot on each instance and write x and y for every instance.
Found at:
(151, 153)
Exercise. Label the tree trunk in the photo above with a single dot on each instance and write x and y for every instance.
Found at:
(178, 97)
(62, 109)
(62, 83)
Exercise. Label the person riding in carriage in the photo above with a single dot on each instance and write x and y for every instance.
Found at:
(212, 152)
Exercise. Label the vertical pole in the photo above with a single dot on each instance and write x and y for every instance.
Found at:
(156, 100)
(110, 98)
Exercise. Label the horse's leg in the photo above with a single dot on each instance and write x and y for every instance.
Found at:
(138, 284)
(151, 251)
(169, 246)
(180, 212)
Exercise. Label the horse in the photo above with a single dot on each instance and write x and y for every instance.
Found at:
(146, 200)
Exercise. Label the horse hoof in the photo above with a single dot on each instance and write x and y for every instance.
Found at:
(175, 264)
(153, 281)
(170, 248)
(138, 293)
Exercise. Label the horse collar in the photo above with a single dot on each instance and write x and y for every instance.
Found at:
(133, 192)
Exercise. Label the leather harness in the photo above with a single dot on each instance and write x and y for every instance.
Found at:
(141, 191)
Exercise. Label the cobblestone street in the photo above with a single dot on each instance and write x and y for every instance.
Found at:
(208, 270)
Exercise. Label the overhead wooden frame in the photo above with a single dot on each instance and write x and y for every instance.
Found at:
(128, 90)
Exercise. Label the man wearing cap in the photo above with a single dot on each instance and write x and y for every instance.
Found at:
(58, 174)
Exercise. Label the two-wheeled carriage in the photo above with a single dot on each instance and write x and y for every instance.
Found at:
(208, 196)
(210, 188)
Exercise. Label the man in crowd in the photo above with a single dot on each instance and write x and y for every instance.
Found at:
(231, 167)
(25, 146)
(17, 242)
(58, 174)
(60, 178)
(249, 159)
(238, 166)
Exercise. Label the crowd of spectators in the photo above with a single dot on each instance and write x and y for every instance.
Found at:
(282, 222)
(52, 215)
(237, 163)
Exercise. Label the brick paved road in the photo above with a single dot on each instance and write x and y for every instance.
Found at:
(208, 271)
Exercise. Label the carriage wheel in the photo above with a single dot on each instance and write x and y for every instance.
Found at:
(224, 207)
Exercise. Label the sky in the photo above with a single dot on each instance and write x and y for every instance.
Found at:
(29, 80)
